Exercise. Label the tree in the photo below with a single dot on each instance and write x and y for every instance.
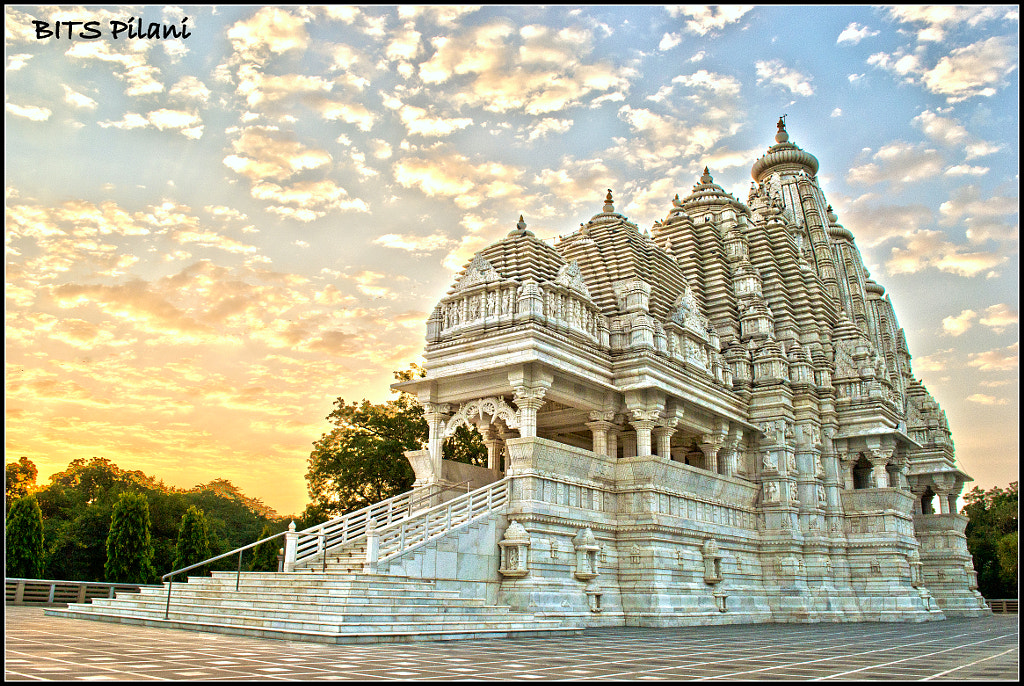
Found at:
(129, 548)
(21, 479)
(992, 539)
(362, 461)
(25, 556)
(264, 556)
(193, 539)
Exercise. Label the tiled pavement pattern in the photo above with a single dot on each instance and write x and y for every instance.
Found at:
(54, 648)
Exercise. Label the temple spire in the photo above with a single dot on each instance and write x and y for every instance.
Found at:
(608, 206)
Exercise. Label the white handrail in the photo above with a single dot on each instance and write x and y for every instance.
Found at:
(415, 530)
(317, 540)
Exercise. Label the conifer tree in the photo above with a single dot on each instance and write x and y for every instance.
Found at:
(129, 548)
(265, 554)
(24, 535)
(193, 540)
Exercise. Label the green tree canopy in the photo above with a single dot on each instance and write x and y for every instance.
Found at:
(362, 460)
(193, 540)
(20, 479)
(24, 538)
(129, 547)
(992, 539)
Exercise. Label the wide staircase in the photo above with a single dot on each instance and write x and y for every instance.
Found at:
(333, 594)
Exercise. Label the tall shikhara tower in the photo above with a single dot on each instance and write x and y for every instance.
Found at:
(724, 409)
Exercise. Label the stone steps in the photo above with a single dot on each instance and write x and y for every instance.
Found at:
(318, 607)
(339, 637)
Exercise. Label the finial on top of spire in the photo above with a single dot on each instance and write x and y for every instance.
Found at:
(522, 224)
(608, 206)
(706, 178)
(782, 136)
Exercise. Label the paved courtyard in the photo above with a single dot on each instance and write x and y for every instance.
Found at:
(53, 648)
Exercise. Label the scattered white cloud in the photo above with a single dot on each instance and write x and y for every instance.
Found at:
(29, 111)
(956, 325)
(703, 20)
(854, 33)
(775, 73)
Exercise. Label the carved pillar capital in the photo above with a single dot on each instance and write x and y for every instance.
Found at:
(529, 400)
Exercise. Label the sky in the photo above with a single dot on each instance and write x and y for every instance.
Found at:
(211, 238)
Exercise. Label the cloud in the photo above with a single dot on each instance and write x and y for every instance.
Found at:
(998, 317)
(995, 360)
(190, 88)
(937, 19)
(854, 33)
(985, 217)
(774, 72)
(270, 30)
(548, 126)
(669, 41)
(142, 78)
(262, 153)
(454, 176)
(925, 249)
(535, 69)
(186, 123)
(704, 19)
(954, 326)
(417, 245)
(76, 99)
(898, 163)
(418, 122)
(29, 111)
(982, 399)
(976, 70)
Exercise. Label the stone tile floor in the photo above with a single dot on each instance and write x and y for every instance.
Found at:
(38, 647)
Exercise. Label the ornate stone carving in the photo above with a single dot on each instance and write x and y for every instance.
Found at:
(515, 548)
(586, 554)
(712, 562)
(495, 408)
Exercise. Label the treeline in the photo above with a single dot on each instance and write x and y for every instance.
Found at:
(992, 539)
(76, 508)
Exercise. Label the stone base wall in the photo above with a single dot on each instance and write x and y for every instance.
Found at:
(947, 564)
(674, 545)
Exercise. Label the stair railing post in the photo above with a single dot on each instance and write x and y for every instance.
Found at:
(372, 546)
(167, 607)
(291, 542)
(238, 575)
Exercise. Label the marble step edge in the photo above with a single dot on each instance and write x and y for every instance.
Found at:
(327, 637)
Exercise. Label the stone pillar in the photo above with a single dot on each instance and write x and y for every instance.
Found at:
(599, 426)
(643, 422)
(918, 492)
(846, 462)
(879, 459)
(710, 445)
(528, 401)
(943, 494)
(901, 464)
(613, 441)
(663, 440)
(494, 447)
(435, 414)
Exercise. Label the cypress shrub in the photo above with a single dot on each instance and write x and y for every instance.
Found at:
(24, 537)
(265, 554)
(129, 548)
(193, 540)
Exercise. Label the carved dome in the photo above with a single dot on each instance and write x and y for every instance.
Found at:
(783, 154)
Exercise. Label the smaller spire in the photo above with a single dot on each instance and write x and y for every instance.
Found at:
(608, 206)
(522, 224)
(782, 136)
(706, 178)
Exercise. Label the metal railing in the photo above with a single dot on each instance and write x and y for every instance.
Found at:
(169, 577)
(429, 524)
(18, 591)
